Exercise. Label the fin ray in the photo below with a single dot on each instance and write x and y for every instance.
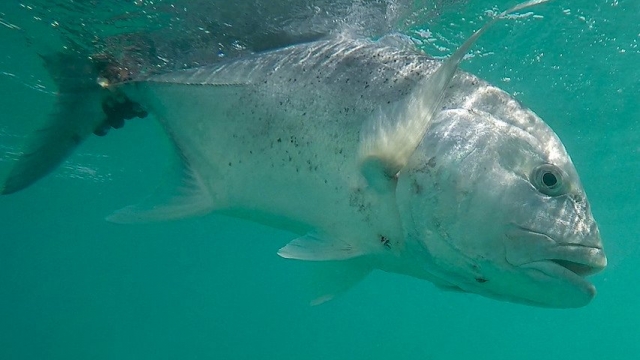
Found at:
(389, 138)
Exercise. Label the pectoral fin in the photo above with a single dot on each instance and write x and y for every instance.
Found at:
(389, 138)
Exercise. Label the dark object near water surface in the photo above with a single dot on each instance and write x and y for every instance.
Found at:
(76, 75)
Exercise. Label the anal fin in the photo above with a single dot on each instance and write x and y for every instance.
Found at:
(186, 196)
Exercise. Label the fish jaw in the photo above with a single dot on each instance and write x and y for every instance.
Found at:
(556, 262)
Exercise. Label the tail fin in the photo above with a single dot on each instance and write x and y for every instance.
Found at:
(83, 106)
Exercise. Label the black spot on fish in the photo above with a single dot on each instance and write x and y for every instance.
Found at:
(417, 188)
(385, 241)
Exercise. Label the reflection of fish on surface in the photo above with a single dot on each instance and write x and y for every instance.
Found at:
(377, 155)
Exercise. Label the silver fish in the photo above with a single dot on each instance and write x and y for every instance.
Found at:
(376, 155)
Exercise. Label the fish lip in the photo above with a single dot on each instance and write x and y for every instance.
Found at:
(581, 260)
(553, 270)
(570, 260)
(529, 230)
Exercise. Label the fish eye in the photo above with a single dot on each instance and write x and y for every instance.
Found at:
(549, 180)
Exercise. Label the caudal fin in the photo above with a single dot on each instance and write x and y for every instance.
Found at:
(83, 106)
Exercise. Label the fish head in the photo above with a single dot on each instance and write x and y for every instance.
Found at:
(494, 206)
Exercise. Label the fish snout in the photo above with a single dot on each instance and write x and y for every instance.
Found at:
(586, 256)
(592, 237)
(582, 251)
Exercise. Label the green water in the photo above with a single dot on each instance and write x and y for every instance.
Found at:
(73, 286)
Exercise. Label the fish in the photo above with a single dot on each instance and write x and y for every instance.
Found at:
(375, 155)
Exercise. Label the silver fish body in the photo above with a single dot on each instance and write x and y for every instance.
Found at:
(273, 138)
(374, 154)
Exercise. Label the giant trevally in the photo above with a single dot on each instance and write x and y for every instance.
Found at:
(377, 155)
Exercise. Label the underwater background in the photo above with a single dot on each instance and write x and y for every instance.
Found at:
(73, 286)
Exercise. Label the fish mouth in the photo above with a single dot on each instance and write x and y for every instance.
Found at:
(582, 270)
(571, 262)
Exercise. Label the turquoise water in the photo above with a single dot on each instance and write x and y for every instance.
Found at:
(73, 286)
